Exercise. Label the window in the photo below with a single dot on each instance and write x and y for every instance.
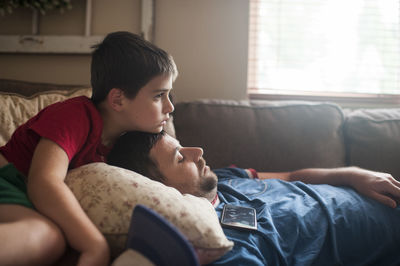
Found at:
(324, 47)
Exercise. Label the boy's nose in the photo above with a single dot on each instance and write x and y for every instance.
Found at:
(195, 153)
(168, 106)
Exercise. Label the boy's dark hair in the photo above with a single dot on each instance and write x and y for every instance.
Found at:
(132, 151)
(126, 61)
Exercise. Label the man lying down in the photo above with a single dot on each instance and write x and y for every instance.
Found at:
(342, 216)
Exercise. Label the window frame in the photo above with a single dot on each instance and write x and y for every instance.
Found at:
(345, 99)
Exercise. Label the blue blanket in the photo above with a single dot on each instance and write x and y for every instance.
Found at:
(300, 224)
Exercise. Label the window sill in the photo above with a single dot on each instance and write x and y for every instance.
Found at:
(348, 100)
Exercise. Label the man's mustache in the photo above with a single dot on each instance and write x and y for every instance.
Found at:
(201, 164)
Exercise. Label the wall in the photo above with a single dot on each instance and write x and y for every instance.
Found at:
(207, 38)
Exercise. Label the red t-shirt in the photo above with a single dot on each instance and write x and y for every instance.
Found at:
(74, 124)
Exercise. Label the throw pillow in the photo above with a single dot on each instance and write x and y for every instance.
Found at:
(108, 195)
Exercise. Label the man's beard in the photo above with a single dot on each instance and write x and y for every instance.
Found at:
(207, 187)
(208, 179)
(208, 183)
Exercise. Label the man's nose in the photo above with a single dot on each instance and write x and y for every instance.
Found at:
(195, 153)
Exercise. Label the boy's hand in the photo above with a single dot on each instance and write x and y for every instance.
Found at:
(97, 255)
(379, 186)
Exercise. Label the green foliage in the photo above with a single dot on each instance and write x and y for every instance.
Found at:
(7, 6)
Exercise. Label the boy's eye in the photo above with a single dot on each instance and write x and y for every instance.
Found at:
(159, 95)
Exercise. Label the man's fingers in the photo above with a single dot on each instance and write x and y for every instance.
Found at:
(384, 199)
(391, 190)
(396, 183)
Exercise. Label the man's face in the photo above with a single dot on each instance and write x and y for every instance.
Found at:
(184, 168)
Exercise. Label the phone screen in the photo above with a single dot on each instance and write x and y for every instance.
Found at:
(238, 216)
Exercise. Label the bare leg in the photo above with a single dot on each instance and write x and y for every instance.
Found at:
(28, 237)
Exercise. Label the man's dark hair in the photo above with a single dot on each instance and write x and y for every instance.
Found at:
(126, 61)
(132, 151)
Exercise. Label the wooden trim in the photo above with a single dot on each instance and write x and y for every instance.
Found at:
(51, 44)
(35, 22)
(69, 44)
(340, 98)
(48, 44)
(88, 18)
(147, 21)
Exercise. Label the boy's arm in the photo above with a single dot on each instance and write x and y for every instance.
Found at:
(52, 198)
(379, 186)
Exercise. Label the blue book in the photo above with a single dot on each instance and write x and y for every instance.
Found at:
(158, 240)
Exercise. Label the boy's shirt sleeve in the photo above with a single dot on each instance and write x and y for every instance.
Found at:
(66, 125)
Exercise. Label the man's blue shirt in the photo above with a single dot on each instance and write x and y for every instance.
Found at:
(301, 224)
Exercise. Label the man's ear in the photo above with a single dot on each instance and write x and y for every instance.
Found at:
(115, 99)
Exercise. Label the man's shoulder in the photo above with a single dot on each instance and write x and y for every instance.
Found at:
(230, 172)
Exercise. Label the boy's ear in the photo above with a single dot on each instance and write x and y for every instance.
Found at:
(115, 99)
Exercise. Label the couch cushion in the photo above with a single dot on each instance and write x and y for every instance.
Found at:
(16, 109)
(265, 135)
(373, 140)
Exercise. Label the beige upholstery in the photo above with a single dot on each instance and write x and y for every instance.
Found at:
(16, 109)
(267, 136)
(373, 140)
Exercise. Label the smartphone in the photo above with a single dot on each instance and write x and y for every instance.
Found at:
(239, 217)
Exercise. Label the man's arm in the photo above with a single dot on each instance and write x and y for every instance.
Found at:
(53, 198)
(379, 186)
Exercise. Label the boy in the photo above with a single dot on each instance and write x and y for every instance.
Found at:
(131, 81)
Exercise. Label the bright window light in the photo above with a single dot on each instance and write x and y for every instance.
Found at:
(336, 46)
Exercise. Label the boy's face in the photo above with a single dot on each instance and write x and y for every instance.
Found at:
(149, 110)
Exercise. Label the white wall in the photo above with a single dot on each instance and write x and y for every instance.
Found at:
(208, 39)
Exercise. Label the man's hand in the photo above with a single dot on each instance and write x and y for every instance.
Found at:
(379, 186)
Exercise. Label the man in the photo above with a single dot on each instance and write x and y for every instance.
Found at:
(298, 223)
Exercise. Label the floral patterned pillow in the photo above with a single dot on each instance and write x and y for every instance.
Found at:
(108, 195)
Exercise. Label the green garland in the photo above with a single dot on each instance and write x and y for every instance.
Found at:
(7, 6)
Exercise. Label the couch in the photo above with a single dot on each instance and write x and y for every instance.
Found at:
(288, 135)
(264, 135)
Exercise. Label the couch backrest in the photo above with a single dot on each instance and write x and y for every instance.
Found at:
(30, 89)
(19, 101)
(373, 139)
(267, 136)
